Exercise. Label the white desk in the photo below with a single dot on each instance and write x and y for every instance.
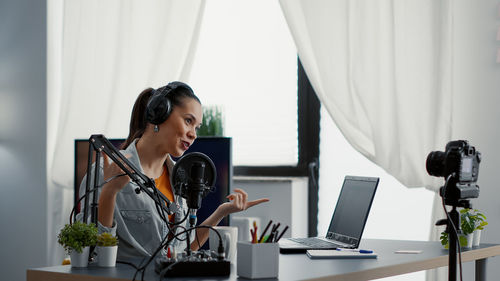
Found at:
(300, 267)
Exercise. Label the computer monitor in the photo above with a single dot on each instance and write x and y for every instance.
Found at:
(219, 149)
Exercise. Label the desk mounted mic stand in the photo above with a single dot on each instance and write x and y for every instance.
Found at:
(99, 144)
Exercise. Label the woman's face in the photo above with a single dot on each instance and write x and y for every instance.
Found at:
(179, 130)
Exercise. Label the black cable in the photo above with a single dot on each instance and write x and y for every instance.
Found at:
(163, 245)
(185, 216)
(78, 202)
(179, 239)
(159, 209)
(199, 226)
(88, 193)
(143, 267)
(194, 228)
(127, 263)
(164, 271)
(181, 221)
(137, 268)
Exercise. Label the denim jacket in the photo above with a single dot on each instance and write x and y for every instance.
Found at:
(136, 222)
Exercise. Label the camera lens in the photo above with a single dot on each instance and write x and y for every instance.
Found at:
(435, 163)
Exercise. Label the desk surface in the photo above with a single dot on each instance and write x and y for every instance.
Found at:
(300, 267)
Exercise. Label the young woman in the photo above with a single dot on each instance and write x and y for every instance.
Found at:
(163, 124)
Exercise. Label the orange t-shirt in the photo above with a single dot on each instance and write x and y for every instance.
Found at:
(163, 185)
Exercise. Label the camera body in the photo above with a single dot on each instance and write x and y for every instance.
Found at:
(459, 165)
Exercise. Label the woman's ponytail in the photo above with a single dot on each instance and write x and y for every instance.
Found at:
(138, 119)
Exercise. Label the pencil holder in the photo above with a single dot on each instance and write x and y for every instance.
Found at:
(259, 260)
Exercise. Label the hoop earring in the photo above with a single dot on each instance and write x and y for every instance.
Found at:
(156, 129)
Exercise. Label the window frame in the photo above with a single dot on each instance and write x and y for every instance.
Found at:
(308, 110)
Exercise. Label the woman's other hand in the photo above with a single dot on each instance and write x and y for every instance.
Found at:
(110, 170)
(114, 174)
(238, 201)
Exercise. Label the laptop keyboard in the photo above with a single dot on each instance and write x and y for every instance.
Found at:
(314, 242)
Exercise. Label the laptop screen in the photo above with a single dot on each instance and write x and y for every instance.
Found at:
(352, 209)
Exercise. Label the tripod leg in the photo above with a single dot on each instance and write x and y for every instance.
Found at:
(453, 230)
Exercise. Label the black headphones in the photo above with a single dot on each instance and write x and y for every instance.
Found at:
(160, 106)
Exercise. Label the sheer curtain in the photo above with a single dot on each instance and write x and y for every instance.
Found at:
(383, 71)
(109, 51)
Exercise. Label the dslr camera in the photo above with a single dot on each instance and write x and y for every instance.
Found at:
(459, 165)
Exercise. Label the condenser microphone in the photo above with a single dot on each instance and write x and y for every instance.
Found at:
(193, 178)
(195, 186)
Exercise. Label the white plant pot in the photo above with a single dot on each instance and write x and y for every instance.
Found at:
(80, 259)
(106, 256)
(477, 238)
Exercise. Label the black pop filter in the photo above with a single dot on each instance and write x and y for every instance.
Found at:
(193, 177)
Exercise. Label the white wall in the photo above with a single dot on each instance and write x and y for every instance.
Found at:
(23, 200)
(477, 83)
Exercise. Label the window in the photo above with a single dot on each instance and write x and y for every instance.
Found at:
(262, 87)
(248, 47)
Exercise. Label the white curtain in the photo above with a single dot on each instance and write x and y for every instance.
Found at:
(383, 71)
(109, 52)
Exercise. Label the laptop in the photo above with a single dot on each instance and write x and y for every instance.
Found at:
(348, 220)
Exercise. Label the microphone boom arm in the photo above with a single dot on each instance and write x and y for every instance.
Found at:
(99, 143)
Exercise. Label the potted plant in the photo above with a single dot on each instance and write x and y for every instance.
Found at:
(474, 221)
(465, 238)
(107, 248)
(212, 123)
(76, 239)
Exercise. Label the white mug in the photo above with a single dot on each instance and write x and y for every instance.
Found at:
(229, 236)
